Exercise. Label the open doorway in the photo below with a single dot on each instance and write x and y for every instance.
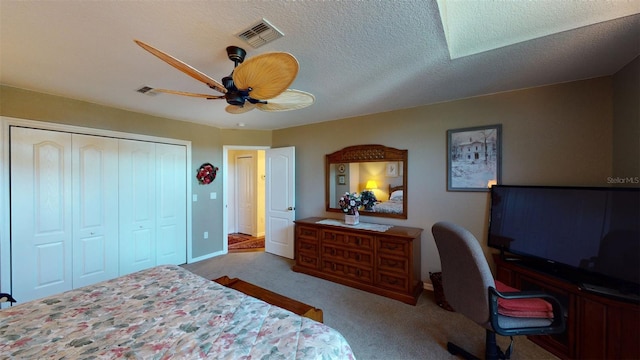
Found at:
(276, 181)
(245, 210)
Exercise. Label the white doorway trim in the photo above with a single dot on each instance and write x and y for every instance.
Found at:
(225, 192)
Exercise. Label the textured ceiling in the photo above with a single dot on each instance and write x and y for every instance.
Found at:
(356, 57)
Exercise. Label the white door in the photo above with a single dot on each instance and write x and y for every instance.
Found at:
(246, 194)
(95, 209)
(137, 182)
(280, 201)
(41, 239)
(171, 220)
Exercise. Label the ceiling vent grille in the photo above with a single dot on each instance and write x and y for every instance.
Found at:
(260, 33)
(147, 91)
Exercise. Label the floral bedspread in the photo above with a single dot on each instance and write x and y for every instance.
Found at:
(389, 207)
(165, 312)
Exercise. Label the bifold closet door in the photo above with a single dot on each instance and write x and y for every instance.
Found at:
(171, 204)
(137, 207)
(153, 206)
(41, 213)
(95, 209)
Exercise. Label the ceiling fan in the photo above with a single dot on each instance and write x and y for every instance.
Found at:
(261, 82)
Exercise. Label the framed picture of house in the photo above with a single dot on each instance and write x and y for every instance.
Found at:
(474, 157)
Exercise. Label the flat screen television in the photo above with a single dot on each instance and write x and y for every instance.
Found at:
(586, 235)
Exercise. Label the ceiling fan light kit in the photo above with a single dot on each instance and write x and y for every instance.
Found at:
(260, 82)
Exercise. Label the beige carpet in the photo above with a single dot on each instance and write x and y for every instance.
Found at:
(375, 326)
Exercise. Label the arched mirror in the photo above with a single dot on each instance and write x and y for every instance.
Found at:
(377, 169)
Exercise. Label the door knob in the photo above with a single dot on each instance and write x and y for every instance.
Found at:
(290, 208)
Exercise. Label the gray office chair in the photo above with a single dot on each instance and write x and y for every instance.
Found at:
(470, 289)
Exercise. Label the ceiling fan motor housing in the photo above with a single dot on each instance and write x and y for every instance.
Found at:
(233, 96)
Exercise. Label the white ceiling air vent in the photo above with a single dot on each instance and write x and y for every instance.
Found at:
(260, 33)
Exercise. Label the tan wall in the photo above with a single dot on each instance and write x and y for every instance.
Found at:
(206, 144)
(554, 135)
(626, 125)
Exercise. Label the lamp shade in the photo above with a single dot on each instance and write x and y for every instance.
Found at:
(371, 184)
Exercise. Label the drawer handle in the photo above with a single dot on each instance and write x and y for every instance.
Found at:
(392, 281)
(391, 246)
(307, 246)
(333, 252)
(307, 232)
(358, 272)
(357, 257)
(333, 266)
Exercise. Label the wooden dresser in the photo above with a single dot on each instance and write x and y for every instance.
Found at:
(384, 263)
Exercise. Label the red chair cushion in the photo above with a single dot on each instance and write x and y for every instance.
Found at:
(530, 308)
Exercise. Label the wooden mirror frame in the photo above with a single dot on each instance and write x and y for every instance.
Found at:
(367, 153)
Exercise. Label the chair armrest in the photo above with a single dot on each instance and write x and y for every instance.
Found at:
(557, 325)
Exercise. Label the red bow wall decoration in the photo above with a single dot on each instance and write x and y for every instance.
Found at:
(206, 174)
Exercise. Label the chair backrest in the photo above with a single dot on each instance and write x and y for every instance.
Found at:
(466, 276)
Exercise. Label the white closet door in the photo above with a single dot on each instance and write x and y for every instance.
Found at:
(246, 194)
(41, 239)
(95, 209)
(171, 206)
(137, 185)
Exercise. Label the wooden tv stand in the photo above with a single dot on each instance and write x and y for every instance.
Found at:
(598, 327)
(386, 263)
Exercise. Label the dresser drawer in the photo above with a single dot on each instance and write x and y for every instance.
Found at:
(309, 233)
(393, 246)
(347, 271)
(307, 246)
(392, 281)
(306, 260)
(343, 254)
(351, 240)
(392, 264)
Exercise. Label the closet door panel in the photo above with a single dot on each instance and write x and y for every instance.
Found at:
(41, 229)
(95, 215)
(137, 206)
(171, 164)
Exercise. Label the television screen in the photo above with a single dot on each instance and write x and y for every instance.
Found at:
(592, 230)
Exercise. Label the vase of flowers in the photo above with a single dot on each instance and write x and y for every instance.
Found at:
(368, 199)
(350, 203)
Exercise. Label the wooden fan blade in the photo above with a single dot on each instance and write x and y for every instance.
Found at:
(268, 75)
(184, 93)
(187, 69)
(290, 99)
(235, 109)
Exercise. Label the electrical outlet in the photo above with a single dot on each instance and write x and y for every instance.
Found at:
(213, 196)
(206, 234)
(195, 197)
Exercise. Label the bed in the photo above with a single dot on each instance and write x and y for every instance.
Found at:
(165, 312)
(395, 204)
